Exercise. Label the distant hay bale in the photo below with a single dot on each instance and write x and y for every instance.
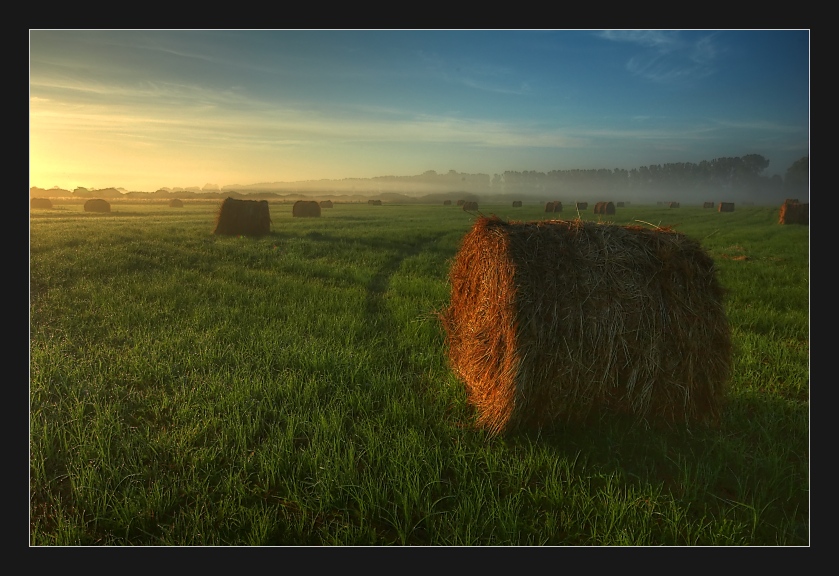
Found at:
(176, 203)
(97, 205)
(555, 206)
(604, 208)
(243, 217)
(470, 205)
(620, 205)
(461, 202)
(375, 202)
(673, 205)
(550, 320)
(726, 207)
(707, 204)
(516, 203)
(326, 203)
(447, 202)
(44, 203)
(582, 205)
(792, 212)
(305, 209)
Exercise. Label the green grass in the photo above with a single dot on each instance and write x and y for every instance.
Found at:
(188, 389)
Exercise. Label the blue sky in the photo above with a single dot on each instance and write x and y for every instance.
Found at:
(147, 109)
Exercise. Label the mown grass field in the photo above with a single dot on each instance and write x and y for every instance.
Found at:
(190, 389)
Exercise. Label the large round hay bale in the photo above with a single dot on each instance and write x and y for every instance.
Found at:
(375, 202)
(620, 205)
(555, 206)
(582, 205)
(97, 205)
(461, 202)
(42, 203)
(470, 205)
(243, 217)
(673, 205)
(726, 207)
(326, 203)
(604, 208)
(176, 203)
(305, 209)
(549, 320)
(792, 212)
(516, 203)
(447, 202)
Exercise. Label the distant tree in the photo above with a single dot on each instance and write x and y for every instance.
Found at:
(797, 178)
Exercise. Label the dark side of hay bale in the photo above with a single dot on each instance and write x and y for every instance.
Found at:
(555, 206)
(243, 217)
(447, 202)
(550, 320)
(305, 209)
(97, 205)
(792, 212)
(582, 205)
(44, 203)
(470, 205)
(176, 203)
(516, 203)
(326, 204)
(726, 207)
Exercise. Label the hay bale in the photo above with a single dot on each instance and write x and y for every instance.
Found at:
(326, 203)
(176, 203)
(470, 205)
(707, 204)
(44, 203)
(243, 217)
(97, 205)
(582, 205)
(461, 202)
(447, 202)
(516, 203)
(305, 209)
(794, 213)
(550, 320)
(555, 206)
(604, 208)
(673, 205)
(375, 202)
(620, 205)
(726, 207)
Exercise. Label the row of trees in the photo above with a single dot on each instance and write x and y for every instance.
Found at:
(738, 177)
(721, 176)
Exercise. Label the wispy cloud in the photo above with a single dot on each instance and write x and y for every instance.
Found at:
(668, 57)
(476, 75)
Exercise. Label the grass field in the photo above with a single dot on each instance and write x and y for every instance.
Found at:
(191, 389)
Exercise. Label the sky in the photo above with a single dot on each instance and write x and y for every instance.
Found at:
(149, 109)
